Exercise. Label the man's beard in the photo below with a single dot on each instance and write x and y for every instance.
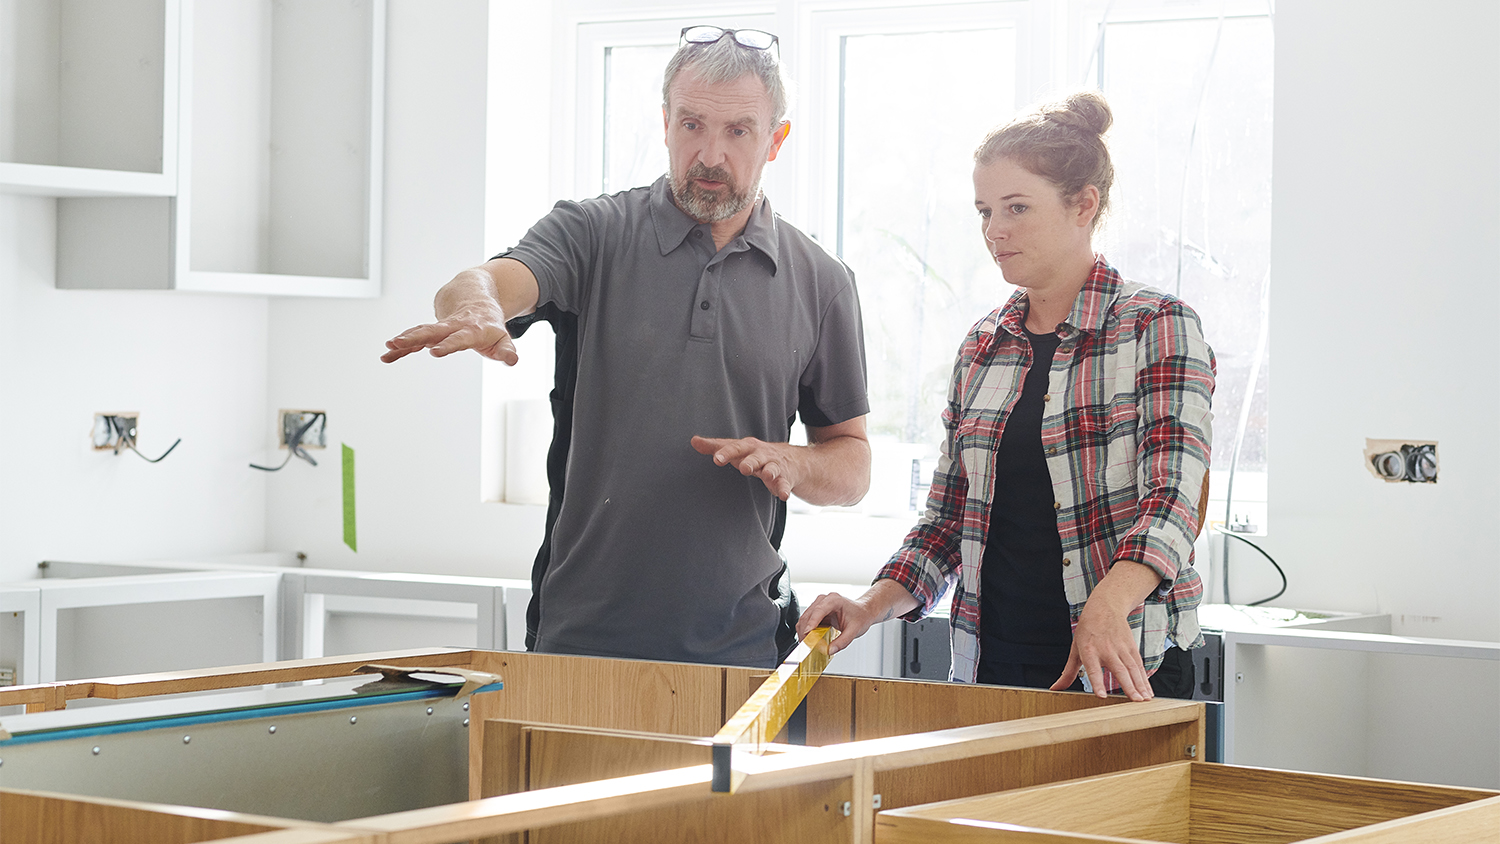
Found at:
(710, 206)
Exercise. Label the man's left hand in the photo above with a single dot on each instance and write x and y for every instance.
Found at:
(778, 465)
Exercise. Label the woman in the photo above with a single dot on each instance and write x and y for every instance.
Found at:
(1066, 501)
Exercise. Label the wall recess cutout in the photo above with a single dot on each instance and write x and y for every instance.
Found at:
(1397, 461)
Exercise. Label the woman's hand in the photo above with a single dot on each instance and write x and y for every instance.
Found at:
(852, 617)
(1103, 644)
(1105, 647)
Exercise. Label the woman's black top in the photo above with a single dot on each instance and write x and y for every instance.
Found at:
(1023, 613)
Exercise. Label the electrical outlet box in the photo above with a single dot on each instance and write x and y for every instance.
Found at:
(107, 426)
(1394, 461)
(315, 421)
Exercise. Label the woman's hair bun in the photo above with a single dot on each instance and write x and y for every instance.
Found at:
(1083, 110)
(1061, 141)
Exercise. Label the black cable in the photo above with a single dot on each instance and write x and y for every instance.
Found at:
(126, 439)
(1269, 559)
(131, 446)
(277, 468)
(294, 446)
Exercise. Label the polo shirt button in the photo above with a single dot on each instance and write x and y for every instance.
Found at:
(697, 232)
(703, 305)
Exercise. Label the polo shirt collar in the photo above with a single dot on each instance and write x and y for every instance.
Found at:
(673, 226)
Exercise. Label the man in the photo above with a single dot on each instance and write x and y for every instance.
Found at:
(693, 326)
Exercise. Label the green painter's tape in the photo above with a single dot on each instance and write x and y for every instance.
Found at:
(349, 499)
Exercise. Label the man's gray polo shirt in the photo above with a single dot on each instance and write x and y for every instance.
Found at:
(657, 552)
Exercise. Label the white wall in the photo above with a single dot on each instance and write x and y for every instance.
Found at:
(193, 366)
(1387, 180)
(1386, 223)
(415, 425)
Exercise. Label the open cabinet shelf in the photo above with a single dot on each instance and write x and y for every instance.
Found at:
(90, 95)
(229, 146)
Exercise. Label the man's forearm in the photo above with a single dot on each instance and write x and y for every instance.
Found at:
(834, 472)
(469, 288)
(500, 282)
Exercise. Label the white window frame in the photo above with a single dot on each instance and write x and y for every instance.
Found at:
(1055, 49)
(818, 167)
(592, 29)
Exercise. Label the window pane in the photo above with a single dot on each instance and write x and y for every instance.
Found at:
(1153, 73)
(635, 152)
(915, 106)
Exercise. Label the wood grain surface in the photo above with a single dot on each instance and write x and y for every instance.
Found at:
(1261, 806)
(29, 817)
(655, 697)
(895, 707)
(1205, 803)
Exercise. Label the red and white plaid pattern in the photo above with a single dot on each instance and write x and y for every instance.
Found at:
(1125, 427)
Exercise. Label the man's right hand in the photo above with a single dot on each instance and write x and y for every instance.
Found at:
(473, 326)
(471, 313)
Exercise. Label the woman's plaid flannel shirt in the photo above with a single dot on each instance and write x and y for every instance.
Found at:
(1125, 427)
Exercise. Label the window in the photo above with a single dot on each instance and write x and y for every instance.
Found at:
(620, 142)
(634, 153)
(1192, 146)
(911, 233)
(890, 104)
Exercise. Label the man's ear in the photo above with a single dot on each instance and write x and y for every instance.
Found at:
(778, 137)
(664, 122)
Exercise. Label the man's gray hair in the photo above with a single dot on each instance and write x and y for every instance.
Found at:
(725, 61)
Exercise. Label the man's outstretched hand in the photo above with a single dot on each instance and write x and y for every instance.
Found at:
(471, 311)
(473, 327)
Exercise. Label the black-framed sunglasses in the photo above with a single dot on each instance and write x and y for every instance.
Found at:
(753, 39)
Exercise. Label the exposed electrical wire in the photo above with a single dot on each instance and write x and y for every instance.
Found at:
(1255, 365)
(294, 446)
(125, 438)
(1244, 424)
(1269, 558)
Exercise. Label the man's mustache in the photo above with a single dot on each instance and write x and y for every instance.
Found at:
(712, 174)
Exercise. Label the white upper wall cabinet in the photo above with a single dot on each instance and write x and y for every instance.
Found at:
(279, 131)
(284, 157)
(88, 97)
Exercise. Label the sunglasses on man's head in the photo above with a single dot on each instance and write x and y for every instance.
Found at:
(753, 39)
